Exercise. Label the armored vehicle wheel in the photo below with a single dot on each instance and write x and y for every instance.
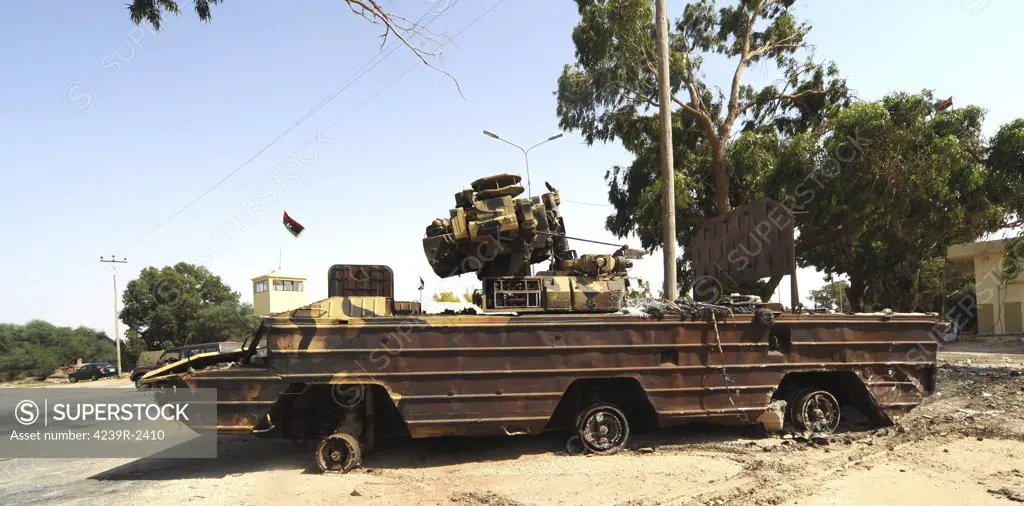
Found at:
(338, 453)
(815, 410)
(602, 429)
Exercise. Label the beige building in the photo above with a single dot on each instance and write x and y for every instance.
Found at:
(1000, 305)
(277, 292)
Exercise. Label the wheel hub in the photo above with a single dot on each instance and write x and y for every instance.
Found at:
(603, 431)
(822, 414)
(338, 453)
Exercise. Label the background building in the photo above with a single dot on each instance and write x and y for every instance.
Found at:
(1000, 305)
(276, 292)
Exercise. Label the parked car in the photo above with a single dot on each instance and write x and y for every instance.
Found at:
(172, 355)
(93, 372)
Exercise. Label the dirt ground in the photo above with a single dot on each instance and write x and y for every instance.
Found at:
(964, 445)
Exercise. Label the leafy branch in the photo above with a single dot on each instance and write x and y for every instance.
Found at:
(152, 12)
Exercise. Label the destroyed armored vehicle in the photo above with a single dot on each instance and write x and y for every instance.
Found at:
(552, 350)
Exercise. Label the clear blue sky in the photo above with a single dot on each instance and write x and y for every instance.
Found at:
(103, 137)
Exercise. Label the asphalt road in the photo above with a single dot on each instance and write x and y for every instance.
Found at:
(31, 424)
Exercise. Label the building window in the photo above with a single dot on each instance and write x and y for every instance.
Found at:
(260, 286)
(286, 285)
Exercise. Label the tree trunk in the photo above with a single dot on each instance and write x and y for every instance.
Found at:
(721, 179)
(769, 289)
(915, 293)
(855, 293)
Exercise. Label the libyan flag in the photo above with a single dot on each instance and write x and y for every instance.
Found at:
(421, 282)
(294, 227)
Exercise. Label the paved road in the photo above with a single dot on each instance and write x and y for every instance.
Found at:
(38, 418)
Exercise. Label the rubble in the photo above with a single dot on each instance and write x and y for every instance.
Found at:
(692, 310)
(1008, 493)
(773, 417)
(820, 439)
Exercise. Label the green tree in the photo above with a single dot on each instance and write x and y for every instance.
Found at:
(729, 148)
(172, 306)
(446, 296)
(831, 296)
(608, 93)
(934, 286)
(37, 348)
(885, 207)
(226, 321)
(132, 348)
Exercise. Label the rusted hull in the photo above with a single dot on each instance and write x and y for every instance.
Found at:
(498, 374)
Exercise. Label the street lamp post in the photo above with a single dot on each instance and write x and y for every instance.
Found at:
(112, 262)
(526, 153)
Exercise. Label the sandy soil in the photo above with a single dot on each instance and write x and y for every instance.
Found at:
(964, 445)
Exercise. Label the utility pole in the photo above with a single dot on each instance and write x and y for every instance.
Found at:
(526, 154)
(112, 262)
(668, 186)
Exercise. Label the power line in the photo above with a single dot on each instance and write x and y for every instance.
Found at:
(364, 70)
(326, 100)
(399, 76)
(306, 116)
(586, 203)
(47, 277)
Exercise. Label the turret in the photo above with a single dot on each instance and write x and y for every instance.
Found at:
(493, 233)
(498, 236)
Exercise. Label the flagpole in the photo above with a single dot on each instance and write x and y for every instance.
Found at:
(421, 294)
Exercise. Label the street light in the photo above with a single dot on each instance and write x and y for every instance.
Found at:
(526, 152)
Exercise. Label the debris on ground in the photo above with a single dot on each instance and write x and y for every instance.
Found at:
(958, 446)
(1011, 494)
(774, 417)
(488, 498)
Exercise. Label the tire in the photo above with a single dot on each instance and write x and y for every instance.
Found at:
(338, 453)
(72, 379)
(95, 377)
(815, 410)
(603, 429)
(138, 382)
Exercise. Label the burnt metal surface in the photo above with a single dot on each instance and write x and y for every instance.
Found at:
(753, 241)
(493, 233)
(490, 374)
(501, 374)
